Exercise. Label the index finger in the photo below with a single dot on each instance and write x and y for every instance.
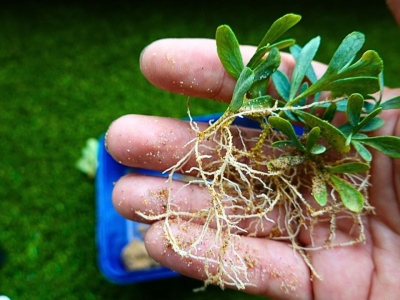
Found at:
(192, 67)
(187, 66)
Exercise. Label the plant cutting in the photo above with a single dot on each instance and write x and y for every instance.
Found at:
(308, 162)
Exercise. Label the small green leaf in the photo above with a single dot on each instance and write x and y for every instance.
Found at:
(354, 107)
(279, 27)
(284, 44)
(259, 102)
(346, 52)
(229, 51)
(350, 196)
(243, 84)
(330, 112)
(317, 149)
(345, 86)
(364, 153)
(353, 167)
(310, 74)
(369, 106)
(312, 137)
(257, 58)
(367, 119)
(319, 190)
(361, 77)
(372, 125)
(282, 84)
(286, 127)
(388, 145)
(282, 143)
(262, 73)
(348, 139)
(303, 63)
(268, 66)
(393, 103)
(334, 136)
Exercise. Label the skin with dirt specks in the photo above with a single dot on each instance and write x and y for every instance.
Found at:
(370, 270)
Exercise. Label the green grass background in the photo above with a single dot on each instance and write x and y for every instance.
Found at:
(67, 70)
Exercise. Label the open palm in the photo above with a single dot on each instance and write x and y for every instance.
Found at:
(192, 67)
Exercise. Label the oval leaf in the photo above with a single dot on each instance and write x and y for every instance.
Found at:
(330, 112)
(388, 145)
(368, 119)
(243, 84)
(312, 138)
(334, 136)
(269, 65)
(393, 103)
(258, 56)
(354, 167)
(364, 153)
(372, 125)
(285, 127)
(229, 51)
(346, 51)
(282, 84)
(303, 63)
(259, 102)
(350, 196)
(317, 149)
(282, 144)
(319, 190)
(279, 27)
(361, 77)
(354, 107)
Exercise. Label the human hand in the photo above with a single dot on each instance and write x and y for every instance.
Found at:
(192, 67)
(394, 7)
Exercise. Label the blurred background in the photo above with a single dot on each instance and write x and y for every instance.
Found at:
(67, 70)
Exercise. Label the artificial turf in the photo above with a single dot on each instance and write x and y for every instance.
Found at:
(67, 70)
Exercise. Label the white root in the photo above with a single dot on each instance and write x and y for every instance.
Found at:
(244, 191)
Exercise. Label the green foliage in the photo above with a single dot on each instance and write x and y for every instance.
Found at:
(333, 135)
(388, 145)
(393, 103)
(351, 197)
(64, 79)
(287, 128)
(319, 189)
(229, 51)
(354, 107)
(303, 62)
(353, 167)
(278, 28)
(312, 139)
(244, 82)
(351, 84)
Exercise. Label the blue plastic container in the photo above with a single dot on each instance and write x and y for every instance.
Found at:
(113, 231)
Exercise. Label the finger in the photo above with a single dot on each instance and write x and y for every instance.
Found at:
(149, 195)
(274, 269)
(156, 143)
(187, 66)
(192, 67)
(394, 6)
(135, 195)
(148, 142)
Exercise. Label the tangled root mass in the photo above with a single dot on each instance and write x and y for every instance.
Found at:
(256, 189)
